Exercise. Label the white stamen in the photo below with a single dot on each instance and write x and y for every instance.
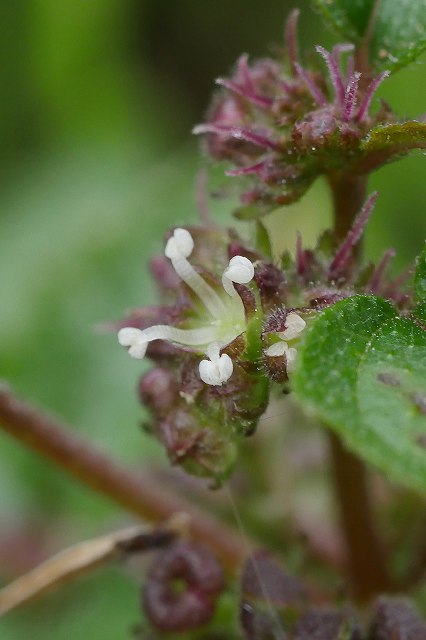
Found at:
(282, 349)
(276, 349)
(178, 248)
(291, 355)
(132, 338)
(239, 270)
(180, 244)
(218, 369)
(294, 325)
(138, 340)
(190, 337)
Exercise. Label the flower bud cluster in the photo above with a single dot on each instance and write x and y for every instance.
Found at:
(211, 381)
(228, 335)
(282, 130)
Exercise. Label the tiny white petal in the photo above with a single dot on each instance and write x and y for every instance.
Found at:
(218, 372)
(208, 373)
(239, 270)
(226, 367)
(129, 336)
(294, 326)
(276, 349)
(180, 244)
(291, 355)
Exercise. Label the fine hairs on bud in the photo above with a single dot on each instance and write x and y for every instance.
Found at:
(294, 325)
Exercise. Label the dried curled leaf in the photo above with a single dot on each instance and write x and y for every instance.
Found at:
(76, 561)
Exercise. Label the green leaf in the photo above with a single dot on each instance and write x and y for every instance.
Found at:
(263, 241)
(251, 212)
(420, 286)
(396, 137)
(386, 142)
(362, 370)
(395, 29)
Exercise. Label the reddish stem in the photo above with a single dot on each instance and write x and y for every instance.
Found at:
(137, 493)
(365, 558)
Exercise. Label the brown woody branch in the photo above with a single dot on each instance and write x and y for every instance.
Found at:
(137, 493)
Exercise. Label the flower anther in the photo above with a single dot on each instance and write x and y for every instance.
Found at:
(282, 349)
(294, 325)
(133, 338)
(240, 270)
(218, 369)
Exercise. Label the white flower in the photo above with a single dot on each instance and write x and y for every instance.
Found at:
(294, 325)
(218, 369)
(224, 320)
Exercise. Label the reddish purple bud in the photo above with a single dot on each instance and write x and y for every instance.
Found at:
(275, 321)
(291, 40)
(158, 390)
(276, 368)
(271, 284)
(163, 272)
(376, 280)
(182, 588)
(335, 74)
(246, 93)
(371, 90)
(350, 97)
(342, 256)
(238, 133)
(312, 87)
(245, 171)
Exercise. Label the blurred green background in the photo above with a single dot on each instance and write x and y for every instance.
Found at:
(97, 161)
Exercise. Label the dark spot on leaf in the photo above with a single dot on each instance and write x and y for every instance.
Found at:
(419, 401)
(389, 379)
